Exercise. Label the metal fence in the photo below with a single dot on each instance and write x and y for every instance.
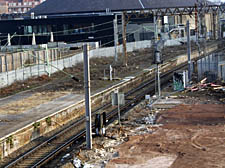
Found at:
(212, 67)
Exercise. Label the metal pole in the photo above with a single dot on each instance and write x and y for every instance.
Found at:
(1, 63)
(87, 97)
(189, 50)
(219, 24)
(196, 22)
(38, 63)
(118, 106)
(47, 58)
(154, 43)
(6, 68)
(158, 74)
(155, 27)
(124, 39)
(214, 26)
(110, 72)
(115, 37)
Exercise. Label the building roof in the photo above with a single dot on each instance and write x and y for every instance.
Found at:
(89, 6)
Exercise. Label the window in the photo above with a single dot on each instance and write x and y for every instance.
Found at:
(28, 30)
(40, 29)
(65, 29)
(49, 28)
(44, 29)
(35, 29)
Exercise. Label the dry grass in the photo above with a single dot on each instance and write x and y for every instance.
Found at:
(30, 102)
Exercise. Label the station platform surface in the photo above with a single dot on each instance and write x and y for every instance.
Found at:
(12, 122)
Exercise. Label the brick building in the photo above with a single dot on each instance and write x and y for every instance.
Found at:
(22, 6)
(18, 6)
(3, 6)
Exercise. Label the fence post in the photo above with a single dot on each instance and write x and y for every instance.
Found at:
(21, 63)
(6, 69)
(51, 58)
(13, 66)
(63, 62)
(1, 64)
(57, 58)
(38, 59)
(29, 63)
(44, 58)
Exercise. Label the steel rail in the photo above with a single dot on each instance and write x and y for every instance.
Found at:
(81, 120)
(110, 115)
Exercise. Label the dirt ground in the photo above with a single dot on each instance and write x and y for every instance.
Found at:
(190, 134)
(195, 134)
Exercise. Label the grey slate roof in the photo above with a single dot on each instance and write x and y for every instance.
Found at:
(88, 6)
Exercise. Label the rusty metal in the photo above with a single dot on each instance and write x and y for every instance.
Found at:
(177, 11)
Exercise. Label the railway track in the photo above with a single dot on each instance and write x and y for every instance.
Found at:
(48, 149)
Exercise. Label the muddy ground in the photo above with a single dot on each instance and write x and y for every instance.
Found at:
(193, 134)
(190, 134)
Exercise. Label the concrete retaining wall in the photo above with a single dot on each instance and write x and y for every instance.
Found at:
(17, 139)
(18, 60)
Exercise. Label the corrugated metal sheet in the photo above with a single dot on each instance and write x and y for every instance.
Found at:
(170, 3)
(87, 6)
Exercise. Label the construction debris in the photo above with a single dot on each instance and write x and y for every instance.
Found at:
(202, 86)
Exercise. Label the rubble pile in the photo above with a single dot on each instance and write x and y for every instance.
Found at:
(209, 92)
(203, 86)
(183, 134)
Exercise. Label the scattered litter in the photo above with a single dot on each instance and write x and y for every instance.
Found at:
(77, 162)
(149, 120)
(143, 129)
(66, 156)
(203, 80)
(86, 165)
(202, 86)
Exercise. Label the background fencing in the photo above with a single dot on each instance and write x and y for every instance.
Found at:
(23, 65)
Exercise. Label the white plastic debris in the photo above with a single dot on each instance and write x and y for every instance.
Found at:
(86, 165)
(77, 163)
(150, 119)
(66, 156)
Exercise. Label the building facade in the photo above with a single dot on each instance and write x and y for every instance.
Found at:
(18, 6)
(94, 21)
(3, 6)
